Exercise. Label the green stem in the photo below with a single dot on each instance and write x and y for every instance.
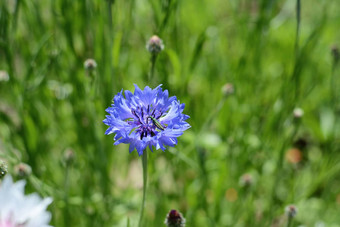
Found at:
(333, 82)
(278, 172)
(110, 3)
(145, 178)
(290, 222)
(92, 83)
(212, 115)
(298, 19)
(152, 70)
(202, 158)
(297, 37)
(66, 191)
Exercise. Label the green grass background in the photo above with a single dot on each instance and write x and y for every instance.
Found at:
(48, 107)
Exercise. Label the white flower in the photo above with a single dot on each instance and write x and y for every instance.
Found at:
(298, 112)
(4, 76)
(18, 210)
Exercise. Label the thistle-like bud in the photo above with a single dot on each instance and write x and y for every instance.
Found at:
(298, 113)
(228, 89)
(155, 45)
(246, 180)
(174, 219)
(90, 64)
(4, 76)
(69, 156)
(3, 169)
(291, 211)
(22, 170)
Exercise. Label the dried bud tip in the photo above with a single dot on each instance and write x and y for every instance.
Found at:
(4, 76)
(298, 112)
(69, 156)
(228, 89)
(22, 170)
(3, 169)
(246, 180)
(174, 219)
(291, 211)
(155, 45)
(90, 64)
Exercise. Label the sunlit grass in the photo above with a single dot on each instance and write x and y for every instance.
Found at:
(52, 105)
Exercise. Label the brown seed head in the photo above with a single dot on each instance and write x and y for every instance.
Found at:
(174, 219)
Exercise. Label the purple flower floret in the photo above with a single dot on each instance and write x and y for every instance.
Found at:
(148, 117)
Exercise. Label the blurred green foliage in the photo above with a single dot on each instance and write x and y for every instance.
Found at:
(51, 109)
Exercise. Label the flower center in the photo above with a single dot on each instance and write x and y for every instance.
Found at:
(146, 121)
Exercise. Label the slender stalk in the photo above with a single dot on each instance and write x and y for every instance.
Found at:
(91, 87)
(145, 178)
(212, 115)
(298, 19)
(297, 37)
(278, 172)
(16, 15)
(290, 221)
(333, 85)
(152, 69)
(66, 191)
(202, 158)
(110, 18)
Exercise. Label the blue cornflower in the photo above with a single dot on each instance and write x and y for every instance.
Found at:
(146, 118)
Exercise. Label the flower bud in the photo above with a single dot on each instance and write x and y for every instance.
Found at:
(246, 180)
(174, 219)
(294, 156)
(291, 211)
(231, 195)
(3, 169)
(155, 45)
(69, 156)
(228, 89)
(22, 170)
(298, 113)
(4, 76)
(90, 64)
